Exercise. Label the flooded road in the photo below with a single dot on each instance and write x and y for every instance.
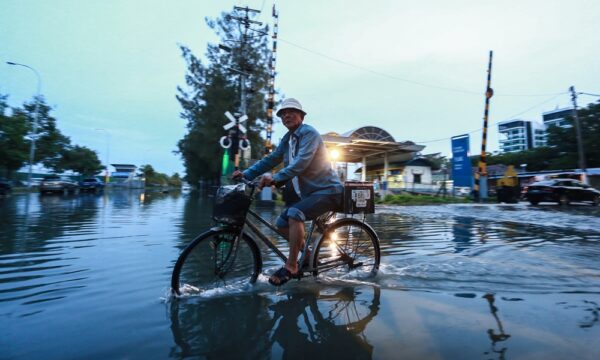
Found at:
(86, 277)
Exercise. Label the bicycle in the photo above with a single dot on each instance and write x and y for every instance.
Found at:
(227, 255)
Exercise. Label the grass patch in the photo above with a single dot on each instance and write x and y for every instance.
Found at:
(418, 199)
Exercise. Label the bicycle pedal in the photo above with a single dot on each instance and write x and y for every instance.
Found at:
(354, 266)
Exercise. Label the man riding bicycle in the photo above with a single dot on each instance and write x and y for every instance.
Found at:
(308, 171)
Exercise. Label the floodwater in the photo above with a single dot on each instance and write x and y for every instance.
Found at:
(87, 277)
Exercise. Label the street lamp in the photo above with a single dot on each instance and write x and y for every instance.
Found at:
(36, 119)
(107, 153)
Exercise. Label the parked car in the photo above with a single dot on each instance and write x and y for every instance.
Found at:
(562, 191)
(58, 184)
(5, 187)
(91, 184)
(36, 181)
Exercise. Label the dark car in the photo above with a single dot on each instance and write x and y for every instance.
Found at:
(58, 184)
(91, 184)
(5, 187)
(562, 191)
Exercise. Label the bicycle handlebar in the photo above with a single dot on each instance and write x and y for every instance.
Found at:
(252, 183)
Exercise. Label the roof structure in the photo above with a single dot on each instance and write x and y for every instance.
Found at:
(372, 143)
(124, 167)
(398, 165)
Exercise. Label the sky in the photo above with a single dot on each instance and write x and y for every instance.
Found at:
(417, 69)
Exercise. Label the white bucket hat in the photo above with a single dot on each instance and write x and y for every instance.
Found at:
(290, 103)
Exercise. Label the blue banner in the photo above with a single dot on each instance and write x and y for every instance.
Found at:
(462, 175)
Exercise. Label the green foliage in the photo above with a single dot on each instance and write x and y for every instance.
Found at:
(175, 180)
(50, 141)
(53, 149)
(154, 178)
(14, 147)
(541, 158)
(80, 159)
(213, 89)
(438, 161)
(565, 140)
(561, 152)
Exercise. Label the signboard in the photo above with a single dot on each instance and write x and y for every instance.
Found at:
(462, 175)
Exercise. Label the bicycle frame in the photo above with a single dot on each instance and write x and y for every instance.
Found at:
(270, 244)
(267, 241)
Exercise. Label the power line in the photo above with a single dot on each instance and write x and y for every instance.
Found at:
(584, 93)
(499, 121)
(393, 77)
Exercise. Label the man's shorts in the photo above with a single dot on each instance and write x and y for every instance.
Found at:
(310, 208)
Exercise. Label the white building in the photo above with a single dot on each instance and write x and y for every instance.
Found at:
(519, 135)
(556, 117)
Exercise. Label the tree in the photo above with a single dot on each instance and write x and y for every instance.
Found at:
(79, 159)
(561, 152)
(50, 142)
(438, 161)
(565, 139)
(175, 180)
(213, 89)
(155, 178)
(14, 147)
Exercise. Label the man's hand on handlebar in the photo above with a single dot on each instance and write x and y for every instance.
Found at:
(265, 180)
(237, 175)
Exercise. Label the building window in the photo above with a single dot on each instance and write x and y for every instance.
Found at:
(417, 178)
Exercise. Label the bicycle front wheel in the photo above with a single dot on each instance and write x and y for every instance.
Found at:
(348, 247)
(216, 259)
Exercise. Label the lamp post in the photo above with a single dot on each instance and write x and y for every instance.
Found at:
(36, 119)
(107, 153)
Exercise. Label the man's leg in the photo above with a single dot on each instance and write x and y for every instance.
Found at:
(291, 225)
(296, 237)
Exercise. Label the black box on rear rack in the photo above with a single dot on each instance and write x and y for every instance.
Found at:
(359, 197)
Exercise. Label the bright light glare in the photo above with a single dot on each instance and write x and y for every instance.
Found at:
(332, 244)
(334, 154)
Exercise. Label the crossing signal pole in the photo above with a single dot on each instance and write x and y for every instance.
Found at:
(271, 98)
(480, 188)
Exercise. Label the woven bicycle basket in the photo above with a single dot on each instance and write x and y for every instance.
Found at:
(231, 204)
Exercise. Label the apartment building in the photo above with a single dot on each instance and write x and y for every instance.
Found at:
(518, 135)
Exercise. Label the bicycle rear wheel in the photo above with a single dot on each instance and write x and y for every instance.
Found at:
(348, 247)
(216, 259)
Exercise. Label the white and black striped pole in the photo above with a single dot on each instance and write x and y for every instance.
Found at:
(271, 98)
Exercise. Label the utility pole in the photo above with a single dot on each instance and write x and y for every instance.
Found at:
(582, 165)
(247, 22)
(235, 140)
(481, 174)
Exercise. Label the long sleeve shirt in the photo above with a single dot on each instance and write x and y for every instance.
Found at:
(310, 164)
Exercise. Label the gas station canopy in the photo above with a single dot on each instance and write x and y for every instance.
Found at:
(369, 144)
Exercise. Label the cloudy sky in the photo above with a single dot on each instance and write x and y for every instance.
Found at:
(414, 68)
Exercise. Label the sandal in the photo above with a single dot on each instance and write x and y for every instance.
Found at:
(283, 275)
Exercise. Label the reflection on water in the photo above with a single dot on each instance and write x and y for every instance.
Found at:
(311, 322)
(500, 335)
(37, 266)
(82, 277)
